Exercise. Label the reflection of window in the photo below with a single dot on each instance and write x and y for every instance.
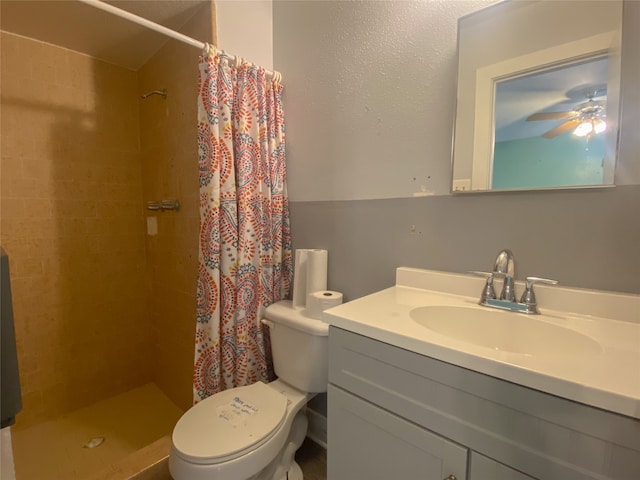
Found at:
(545, 126)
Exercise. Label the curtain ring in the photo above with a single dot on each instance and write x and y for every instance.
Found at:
(239, 61)
(210, 49)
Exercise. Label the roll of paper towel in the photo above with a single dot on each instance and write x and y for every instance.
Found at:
(316, 272)
(309, 274)
(318, 302)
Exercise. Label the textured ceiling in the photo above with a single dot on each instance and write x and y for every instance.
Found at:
(82, 28)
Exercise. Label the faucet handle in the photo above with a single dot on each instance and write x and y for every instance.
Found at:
(488, 291)
(481, 274)
(528, 297)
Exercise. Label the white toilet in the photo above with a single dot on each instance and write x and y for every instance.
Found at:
(253, 432)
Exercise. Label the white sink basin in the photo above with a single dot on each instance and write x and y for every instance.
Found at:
(504, 331)
(584, 347)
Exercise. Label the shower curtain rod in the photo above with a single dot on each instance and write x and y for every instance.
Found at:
(157, 28)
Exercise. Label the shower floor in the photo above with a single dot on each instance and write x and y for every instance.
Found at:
(55, 450)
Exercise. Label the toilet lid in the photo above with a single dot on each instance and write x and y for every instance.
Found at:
(226, 424)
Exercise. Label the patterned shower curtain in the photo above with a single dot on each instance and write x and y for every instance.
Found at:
(245, 261)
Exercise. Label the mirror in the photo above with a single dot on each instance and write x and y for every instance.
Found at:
(538, 96)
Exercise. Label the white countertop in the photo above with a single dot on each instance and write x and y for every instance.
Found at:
(609, 379)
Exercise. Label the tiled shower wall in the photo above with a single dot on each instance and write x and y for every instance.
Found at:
(72, 224)
(99, 307)
(170, 171)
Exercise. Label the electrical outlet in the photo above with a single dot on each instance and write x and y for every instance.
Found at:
(462, 185)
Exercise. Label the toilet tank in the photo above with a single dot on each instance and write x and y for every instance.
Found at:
(299, 345)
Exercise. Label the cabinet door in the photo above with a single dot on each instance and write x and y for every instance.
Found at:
(483, 468)
(368, 443)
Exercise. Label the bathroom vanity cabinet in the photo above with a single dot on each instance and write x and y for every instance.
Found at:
(394, 413)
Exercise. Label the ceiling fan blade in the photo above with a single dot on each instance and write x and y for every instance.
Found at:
(560, 129)
(551, 116)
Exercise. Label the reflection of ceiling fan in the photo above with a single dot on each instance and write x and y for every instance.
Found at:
(586, 118)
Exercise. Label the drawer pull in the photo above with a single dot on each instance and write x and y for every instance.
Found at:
(450, 477)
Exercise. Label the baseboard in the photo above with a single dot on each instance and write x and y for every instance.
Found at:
(317, 430)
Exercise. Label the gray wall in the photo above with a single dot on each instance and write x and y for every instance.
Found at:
(580, 238)
(584, 238)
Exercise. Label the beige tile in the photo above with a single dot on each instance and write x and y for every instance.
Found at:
(11, 208)
(76, 188)
(51, 166)
(11, 165)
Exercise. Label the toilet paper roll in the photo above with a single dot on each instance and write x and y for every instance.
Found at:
(320, 301)
(309, 270)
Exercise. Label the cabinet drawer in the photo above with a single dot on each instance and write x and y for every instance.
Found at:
(367, 442)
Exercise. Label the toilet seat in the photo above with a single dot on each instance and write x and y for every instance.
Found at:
(228, 424)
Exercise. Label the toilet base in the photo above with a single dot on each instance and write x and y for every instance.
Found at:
(295, 472)
(284, 467)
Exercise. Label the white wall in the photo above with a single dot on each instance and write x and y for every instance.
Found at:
(376, 79)
(245, 28)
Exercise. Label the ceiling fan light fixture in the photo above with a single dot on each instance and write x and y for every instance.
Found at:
(590, 126)
(584, 129)
(599, 126)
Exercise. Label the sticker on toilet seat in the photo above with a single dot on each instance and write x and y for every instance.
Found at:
(236, 411)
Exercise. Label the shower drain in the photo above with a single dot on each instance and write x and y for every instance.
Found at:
(94, 442)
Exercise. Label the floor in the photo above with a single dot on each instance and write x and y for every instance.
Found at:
(312, 458)
(70, 447)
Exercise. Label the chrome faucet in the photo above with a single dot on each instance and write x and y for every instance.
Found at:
(504, 267)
